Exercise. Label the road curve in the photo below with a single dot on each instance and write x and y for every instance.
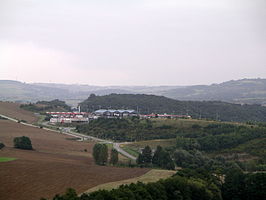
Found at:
(120, 150)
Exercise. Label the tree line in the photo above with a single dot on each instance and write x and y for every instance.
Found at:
(160, 158)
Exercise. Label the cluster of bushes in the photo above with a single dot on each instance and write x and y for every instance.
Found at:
(2, 145)
(22, 143)
(160, 158)
(100, 155)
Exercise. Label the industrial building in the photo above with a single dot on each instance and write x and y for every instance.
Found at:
(68, 117)
(110, 113)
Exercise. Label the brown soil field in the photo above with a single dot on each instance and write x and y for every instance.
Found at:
(13, 110)
(55, 164)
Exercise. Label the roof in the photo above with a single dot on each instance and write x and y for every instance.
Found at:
(114, 111)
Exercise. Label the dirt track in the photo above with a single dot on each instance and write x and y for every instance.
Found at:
(55, 164)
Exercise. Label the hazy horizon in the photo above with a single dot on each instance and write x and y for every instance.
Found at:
(140, 43)
(128, 85)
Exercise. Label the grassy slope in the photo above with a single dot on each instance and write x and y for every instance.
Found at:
(151, 176)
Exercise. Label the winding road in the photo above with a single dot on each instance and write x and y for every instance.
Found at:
(70, 132)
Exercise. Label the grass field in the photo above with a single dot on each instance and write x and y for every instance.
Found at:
(129, 150)
(6, 159)
(133, 148)
(151, 176)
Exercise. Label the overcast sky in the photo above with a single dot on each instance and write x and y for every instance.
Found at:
(140, 42)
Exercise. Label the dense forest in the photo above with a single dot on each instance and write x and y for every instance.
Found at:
(147, 104)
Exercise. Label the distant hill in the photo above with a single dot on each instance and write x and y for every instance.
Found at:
(23, 92)
(245, 91)
(160, 104)
(251, 91)
(70, 93)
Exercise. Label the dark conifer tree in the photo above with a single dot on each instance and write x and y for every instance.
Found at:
(114, 157)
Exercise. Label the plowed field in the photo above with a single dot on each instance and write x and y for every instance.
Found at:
(55, 164)
(13, 110)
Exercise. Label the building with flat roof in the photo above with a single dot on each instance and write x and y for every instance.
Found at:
(112, 113)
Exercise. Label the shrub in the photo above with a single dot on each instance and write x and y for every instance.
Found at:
(22, 143)
(2, 145)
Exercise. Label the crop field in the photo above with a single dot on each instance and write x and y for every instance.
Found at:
(13, 110)
(55, 164)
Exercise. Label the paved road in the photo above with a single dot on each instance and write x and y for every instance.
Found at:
(115, 144)
(120, 150)
(70, 132)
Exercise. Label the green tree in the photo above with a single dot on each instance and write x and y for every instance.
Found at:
(140, 159)
(96, 153)
(2, 145)
(100, 154)
(162, 159)
(114, 157)
(22, 143)
(145, 157)
(157, 155)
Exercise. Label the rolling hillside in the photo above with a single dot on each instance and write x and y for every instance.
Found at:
(159, 104)
(249, 91)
